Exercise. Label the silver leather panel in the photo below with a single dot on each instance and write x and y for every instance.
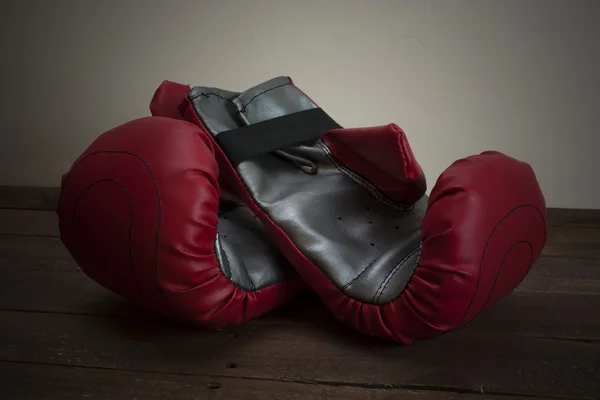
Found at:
(366, 244)
(246, 255)
(222, 118)
(257, 104)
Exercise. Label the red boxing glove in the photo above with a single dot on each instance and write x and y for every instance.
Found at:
(142, 214)
(347, 208)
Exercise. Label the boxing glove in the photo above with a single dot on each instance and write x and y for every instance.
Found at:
(348, 208)
(142, 213)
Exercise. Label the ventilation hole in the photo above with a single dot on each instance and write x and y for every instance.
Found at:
(225, 217)
(214, 385)
(251, 229)
(368, 208)
(370, 222)
(340, 218)
(396, 227)
(372, 244)
(224, 236)
(232, 365)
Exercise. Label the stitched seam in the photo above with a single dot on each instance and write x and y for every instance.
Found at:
(218, 238)
(222, 211)
(159, 209)
(387, 280)
(480, 263)
(205, 94)
(358, 276)
(405, 160)
(402, 149)
(414, 271)
(362, 182)
(369, 188)
(486, 246)
(230, 279)
(200, 123)
(231, 207)
(130, 224)
(487, 300)
(243, 110)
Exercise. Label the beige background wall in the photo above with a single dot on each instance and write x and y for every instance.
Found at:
(519, 76)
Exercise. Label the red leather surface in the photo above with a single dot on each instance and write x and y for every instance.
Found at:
(138, 212)
(383, 157)
(484, 229)
(169, 99)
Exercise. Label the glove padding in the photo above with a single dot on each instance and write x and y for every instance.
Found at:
(347, 208)
(141, 213)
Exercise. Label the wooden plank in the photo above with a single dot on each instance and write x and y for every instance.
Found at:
(563, 275)
(572, 241)
(67, 290)
(34, 249)
(523, 313)
(560, 297)
(40, 275)
(29, 222)
(573, 216)
(306, 353)
(31, 198)
(47, 382)
(542, 315)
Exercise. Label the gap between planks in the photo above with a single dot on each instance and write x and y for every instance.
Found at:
(35, 381)
(329, 354)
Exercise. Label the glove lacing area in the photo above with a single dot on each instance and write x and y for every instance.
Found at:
(407, 262)
(304, 164)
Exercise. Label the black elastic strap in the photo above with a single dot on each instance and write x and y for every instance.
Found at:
(247, 142)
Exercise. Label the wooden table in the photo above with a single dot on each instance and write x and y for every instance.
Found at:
(64, 337)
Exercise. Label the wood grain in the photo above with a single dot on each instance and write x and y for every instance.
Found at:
(523, 313)
(573, 241)
(551, 300)
(48, 382)
(29, 222)
(65, 337)
(459, 361)
(563, 275)
(560, 298)
(26, 197)
(573, 217)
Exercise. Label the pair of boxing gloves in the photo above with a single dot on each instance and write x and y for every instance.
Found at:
(224, 205)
